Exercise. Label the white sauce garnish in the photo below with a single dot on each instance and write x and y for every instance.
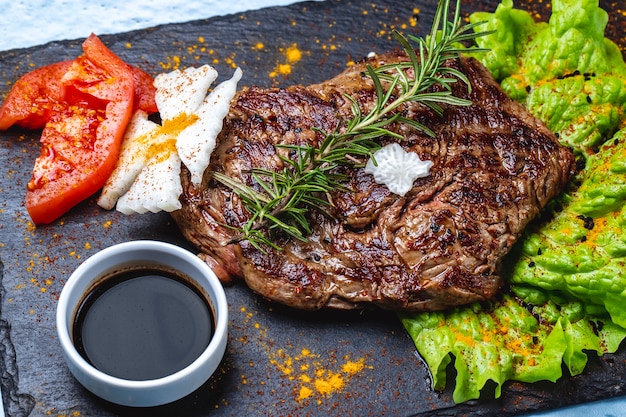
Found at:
(396, 168)
(182, 91)
(147, 175)
(196, 143)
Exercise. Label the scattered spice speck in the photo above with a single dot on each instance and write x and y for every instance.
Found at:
(74, 414)
(292, 55)
(305, 392)
(172, 63)
(231, 61)
(311, 376)
(317, 377)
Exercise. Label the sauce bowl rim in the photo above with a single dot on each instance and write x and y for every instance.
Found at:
(139, 391)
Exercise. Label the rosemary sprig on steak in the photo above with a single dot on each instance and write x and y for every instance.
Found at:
(281, 199)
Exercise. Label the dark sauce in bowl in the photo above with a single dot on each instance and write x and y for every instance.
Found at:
(143, 323)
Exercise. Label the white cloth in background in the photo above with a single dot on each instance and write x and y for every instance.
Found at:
(25, 23)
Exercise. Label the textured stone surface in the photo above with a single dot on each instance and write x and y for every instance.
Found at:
(272, 351)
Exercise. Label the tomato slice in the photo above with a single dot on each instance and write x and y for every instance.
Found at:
(33, 96)
(81, 140)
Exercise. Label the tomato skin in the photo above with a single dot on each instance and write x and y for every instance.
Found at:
(144, 91)
(81, 142)
(33, 96)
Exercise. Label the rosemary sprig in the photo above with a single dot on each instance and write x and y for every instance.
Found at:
(283, 198)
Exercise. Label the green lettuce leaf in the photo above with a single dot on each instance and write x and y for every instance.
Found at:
(581, 250)
(585, 327)
(503, 340)
(511, 29)
(565, 72)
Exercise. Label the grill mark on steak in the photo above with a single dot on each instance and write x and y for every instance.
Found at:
(495, 167)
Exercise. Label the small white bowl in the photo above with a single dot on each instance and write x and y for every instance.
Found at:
(145, 393)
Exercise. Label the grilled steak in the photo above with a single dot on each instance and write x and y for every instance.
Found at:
(495, 167)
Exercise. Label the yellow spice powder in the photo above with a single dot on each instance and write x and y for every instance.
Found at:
(315, 375)
(327, 382)
(305, 392)
(292, 55)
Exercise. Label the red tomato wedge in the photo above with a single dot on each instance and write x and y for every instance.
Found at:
(84, 107)
(144, 91)
(81, 142)
(33, 96)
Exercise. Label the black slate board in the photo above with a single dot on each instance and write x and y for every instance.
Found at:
(271, 349)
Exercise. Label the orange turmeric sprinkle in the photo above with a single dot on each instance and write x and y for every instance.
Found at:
(292, 55)
(314, 375)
